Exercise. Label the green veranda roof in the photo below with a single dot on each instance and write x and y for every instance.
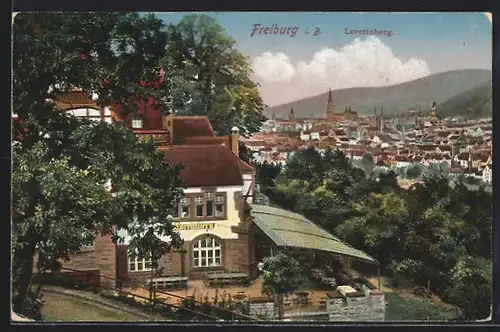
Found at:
(288, 229)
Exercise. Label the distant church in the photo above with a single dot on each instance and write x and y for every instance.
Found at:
(331, 116)
(378, 121)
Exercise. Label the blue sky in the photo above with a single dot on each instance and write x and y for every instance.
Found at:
(436, 41)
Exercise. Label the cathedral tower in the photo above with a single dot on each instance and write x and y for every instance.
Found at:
(330, 113)
(291, 116)
(433, 111)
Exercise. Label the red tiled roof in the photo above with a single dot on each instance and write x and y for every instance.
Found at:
(189, 126)
(205, 165)
(320, 128)
(246, 168)
(207, 140)
(75, 99)
(400, 158)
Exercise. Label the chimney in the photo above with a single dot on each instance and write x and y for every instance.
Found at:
(168, 126)
(235, 135)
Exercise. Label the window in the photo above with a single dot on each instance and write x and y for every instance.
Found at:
(136, 123)
(206, 252)
(138, 264)
(181, 209)
(219, 205)
(88, 242)
(209, 204)
(204, 205)
(198, 201)
(184, 207)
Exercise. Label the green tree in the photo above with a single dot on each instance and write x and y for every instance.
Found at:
(471, 287)
(215, 75)
(387, 181)
(282, 276)
(61, 164)
(414, 171)
(266, 177)
(116, 55)
(378, 226)
(321, 186)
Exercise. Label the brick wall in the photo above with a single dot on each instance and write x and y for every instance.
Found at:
(236, 252)
(234, 259)
(356, 306)
(101, 257)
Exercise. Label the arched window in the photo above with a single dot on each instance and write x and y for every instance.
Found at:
(206, 252)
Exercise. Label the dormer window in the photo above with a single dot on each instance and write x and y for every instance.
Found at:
(136, 123)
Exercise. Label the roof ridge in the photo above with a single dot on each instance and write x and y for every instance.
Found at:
(194, 146)
(307, 233)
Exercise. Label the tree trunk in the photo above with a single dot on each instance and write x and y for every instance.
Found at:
(280, 301)
(22, 272)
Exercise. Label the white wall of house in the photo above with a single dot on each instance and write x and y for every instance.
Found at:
(92, 113)
(487, 174)
(220, 228)
(403, 164)
(315, 135)
(247, 182)
(305, 137)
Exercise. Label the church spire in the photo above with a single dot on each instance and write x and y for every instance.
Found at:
(330, 112)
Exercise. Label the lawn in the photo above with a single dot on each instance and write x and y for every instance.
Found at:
(58, 307)
(399, 308)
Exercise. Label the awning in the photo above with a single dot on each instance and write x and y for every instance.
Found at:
(288, 229)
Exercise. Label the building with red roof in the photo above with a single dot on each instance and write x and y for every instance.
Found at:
(212, 218)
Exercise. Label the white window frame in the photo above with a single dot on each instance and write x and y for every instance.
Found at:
(203, 199)
(136, 261)
(89, 247)
(185, 202)
(201, 252)
(199, 202)
(220, 200)
(137, 124)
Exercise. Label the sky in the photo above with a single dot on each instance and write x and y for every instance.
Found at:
(400, 47)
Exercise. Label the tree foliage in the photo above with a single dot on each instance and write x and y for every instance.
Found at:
(215, 75)
(378, 226)
(282, 276)
(61, 164)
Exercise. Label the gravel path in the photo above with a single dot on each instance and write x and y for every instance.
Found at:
(67, 304)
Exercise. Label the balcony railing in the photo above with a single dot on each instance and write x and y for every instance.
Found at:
(159, 135)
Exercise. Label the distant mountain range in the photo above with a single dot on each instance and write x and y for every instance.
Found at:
(448, 89)
(473, 103)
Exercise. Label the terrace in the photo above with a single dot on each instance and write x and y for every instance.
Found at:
(309, 301)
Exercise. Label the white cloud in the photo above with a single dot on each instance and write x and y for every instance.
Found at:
(362, 62)
(273, 67)
(366, 62)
